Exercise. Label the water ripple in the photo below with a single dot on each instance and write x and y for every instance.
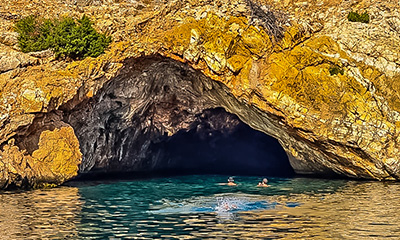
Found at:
(168, 209)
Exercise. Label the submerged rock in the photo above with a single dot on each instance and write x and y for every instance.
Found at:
(293, 70)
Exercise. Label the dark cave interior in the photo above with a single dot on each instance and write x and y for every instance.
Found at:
(219, 143)
(233, 149)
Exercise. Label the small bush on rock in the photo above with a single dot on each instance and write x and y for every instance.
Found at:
(335, 70)
(66, 37)
(356, 17)
(30, 37)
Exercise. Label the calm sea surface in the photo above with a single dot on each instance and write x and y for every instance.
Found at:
(196, 207)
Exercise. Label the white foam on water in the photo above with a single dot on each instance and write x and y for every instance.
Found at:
(220, 204)
(225, 204)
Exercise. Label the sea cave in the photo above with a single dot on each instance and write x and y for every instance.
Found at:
(160, 117)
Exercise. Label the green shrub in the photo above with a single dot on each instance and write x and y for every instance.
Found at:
(335, 70)
(356, 17)
(66, 37)
(29, 30)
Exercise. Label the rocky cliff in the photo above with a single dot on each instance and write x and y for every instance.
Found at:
(326, 88)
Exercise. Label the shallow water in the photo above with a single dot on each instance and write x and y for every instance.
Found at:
(197, 207)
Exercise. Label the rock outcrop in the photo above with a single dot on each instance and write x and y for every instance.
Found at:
(326, 88)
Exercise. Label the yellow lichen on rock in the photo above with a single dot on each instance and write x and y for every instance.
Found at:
(353, 114)
(14, 169)
(217, 41)
(58, 156)
(56, 161)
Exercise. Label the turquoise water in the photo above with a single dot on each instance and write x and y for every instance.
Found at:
(197, 207)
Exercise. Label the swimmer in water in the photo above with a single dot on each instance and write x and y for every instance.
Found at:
(231, 182)
(263, 183)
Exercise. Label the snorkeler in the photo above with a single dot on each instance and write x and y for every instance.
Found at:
(263, 183)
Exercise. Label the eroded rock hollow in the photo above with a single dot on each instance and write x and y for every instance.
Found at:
(159, 115)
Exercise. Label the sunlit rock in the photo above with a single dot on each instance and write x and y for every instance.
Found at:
(326, 88)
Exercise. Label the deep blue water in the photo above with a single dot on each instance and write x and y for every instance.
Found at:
(198, 207)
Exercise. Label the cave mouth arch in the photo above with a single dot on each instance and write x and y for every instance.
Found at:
(217, 143)
(160, 116)
(220, 143)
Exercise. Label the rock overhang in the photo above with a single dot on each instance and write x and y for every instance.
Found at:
(346, 122)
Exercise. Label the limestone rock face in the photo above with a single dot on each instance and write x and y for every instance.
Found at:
(55, 161)
(271, 63)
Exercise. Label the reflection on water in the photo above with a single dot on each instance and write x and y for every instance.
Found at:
(40, 214)
(194, 207)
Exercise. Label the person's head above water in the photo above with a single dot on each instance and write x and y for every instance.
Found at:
(231, 182)
(263, 183)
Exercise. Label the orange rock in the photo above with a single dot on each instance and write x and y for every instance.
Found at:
(347, 122)
(58, 156)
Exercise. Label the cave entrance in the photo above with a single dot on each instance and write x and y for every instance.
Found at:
(220, 143)
(159, 116)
